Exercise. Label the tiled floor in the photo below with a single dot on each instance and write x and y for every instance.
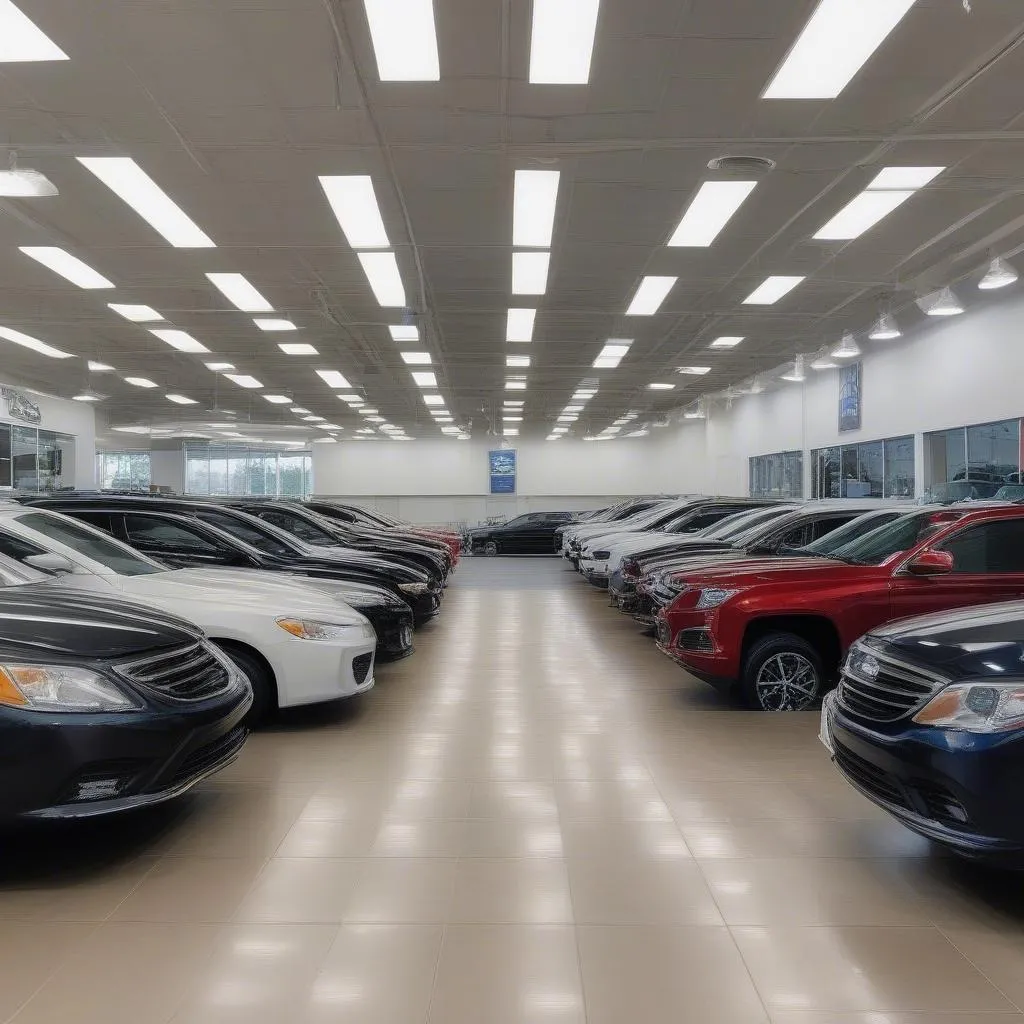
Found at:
(535, 819)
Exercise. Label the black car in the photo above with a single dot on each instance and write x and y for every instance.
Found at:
(928, 722)
(532, 533)
(611, 514)
(412, 585)
(106, 705)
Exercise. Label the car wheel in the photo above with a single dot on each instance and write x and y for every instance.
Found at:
(782, 672)
(264, 692)
(491, 548)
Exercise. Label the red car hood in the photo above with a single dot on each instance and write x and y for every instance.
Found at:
(788, 571)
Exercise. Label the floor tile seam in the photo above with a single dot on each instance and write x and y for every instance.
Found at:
(1017, 1005)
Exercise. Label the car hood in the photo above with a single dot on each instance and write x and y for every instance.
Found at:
(341, 558)
(49, 619)
(792, 572)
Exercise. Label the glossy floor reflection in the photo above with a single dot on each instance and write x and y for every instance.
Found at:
(535, 819)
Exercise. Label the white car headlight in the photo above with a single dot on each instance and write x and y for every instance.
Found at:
(61, 688)
(713, 597)
(976, 707)
(311, 629)
(413, 588)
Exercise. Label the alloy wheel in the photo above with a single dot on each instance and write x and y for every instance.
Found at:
(786, 682)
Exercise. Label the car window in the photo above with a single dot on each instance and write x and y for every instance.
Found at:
(701, 521)
(988, 547)
(13, 574)
(829, 542)
(796, 537)
(110, 553)
(302, 528)
(902, 535)
(18, 548)
(163, 535)
(824, 526)
(100, 520)
(739, 527)
(262, 540)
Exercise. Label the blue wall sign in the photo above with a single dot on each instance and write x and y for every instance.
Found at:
(502, 464)
(850, 397)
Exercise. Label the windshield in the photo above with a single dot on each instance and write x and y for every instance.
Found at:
(845, 534)
(736, 527)
(901, 535)
(1010, 492)
(252, 531)
(961, 490)
(100, 547)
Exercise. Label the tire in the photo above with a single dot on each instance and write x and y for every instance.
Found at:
(264, 691)
(791, 660)
(491, 548)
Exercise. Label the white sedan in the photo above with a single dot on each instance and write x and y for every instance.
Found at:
(297, 643)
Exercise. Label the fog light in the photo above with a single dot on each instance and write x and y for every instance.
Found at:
(99, 789)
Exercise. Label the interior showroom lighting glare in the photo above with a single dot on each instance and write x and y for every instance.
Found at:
(519, 326)
(87, 397)
(709, 211)
(530, 272)
(999, 275)
(332, 378)
(137, 314)
(181, 400)
(612, 354)
(277, 399)
(416, 358)
(354, 203)
(381, 269)
(694, 371)
(425, 379)
(433, 400)
(24, 182)
(404, 332)
(885, 328)
(297, 348)
(71, 268)
(404, 40)
(27, 341)
(726, 341)
(941, 303)
(515, 385)
(141, 382)
(219, 367)
(517, 362)
(771, 290)
(535, 195)
(95, 367)
(21, 40)
(659, 386)
(180, 340)
(240, 292)
(244, 381)
(847, 347)
(562, 41)
(650, 294)
(275, 324)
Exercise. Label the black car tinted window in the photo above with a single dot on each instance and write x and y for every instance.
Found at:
(155, 534)
(16, 548)
(304, 530)
(988, 547)
(239, 528)
(824, 526)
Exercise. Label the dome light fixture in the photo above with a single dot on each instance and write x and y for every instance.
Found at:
(823, 361)
(797, 374)
(999, 275)
(885, 328)
(847, 347)
(941, 303)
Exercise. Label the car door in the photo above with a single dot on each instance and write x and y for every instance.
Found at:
(179, 544)
(988, 565)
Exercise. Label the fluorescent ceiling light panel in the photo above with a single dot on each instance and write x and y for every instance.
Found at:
(127, 179)
(381, 269)
(515, 385)
(904, 177)
(562, 41)
(71, 268)
(354, 203)
(566, 418)
(533, 208)
(517, 361)
(85, 397)
(401, 332)
(333, 379)
(425, 379)
(181, 340)
(726, 341)
(861, 213)
(351, 399)
(375, 419)
(21, 40)
(404, 40)
(181, 400)
(24, 183)
(838, 39)
(219, 367)
(771, 290)
(520, 324)
(709, 211)
(95, 367)
(137, 314)
(27, 341)
(694, 371)
(530, 272)
(297, 348)
(512, 419)
(278, 399)
(611, 355)
(141, 382)
(510, 431)
(275, 325)
(297, 409)
(238, 290)
(660, 387)
(243, 381)
(650, 295)
(417, 358)
(433, 400)
(441, 419)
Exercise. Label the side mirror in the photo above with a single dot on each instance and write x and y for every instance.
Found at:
(931, 563)
(50, 561)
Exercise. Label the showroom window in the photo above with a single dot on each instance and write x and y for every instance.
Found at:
(777, 476)
(234, 470)
(36, 460)
(123, 471)
(873, 469)
(972, 462)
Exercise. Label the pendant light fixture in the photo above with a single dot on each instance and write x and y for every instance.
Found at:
(847, 347)
(885, 328)
(797, 374)
(941, 303)
(697, 411)
(823, 361)
(1000, 274)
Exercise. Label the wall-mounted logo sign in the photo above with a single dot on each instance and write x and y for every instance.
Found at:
(20, 406)
(850, 391)
(502, 464)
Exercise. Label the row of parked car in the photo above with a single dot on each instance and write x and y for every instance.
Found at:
(905, 622)
(142, 637)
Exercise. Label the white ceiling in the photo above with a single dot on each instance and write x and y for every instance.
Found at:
(236, 106)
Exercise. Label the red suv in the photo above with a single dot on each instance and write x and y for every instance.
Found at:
(776, 632)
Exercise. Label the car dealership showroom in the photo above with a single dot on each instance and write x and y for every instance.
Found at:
(511, 512)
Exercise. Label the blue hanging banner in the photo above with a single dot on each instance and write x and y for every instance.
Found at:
(502, 464)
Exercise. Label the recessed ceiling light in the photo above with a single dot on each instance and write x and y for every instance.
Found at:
(726, 341)
(530, 272)
(510, 431)
(512, 419)
(129, 181)
(61, 262)
(836, 42)
(275, 325)
(297, 348)
(21, 40)
(904, 178)
(314, 419)
(141, 382)
(298, 409)
(375, 419)
(355, 207)
(95, 367)
(219, 367)
(695, 371)
(25, 183)
(278, 399)
(517, 361)
(444, 419)
(515, 385)
(660, 387)
(240, 292)
(403, 332)
(519, 326)
(573, 408)
(533, 208)
(709, 211)
(85, 397)
(425, 379)
(181, 340)
(404, 40)
(416, 358)
(513, 404)
(433, 400)
(333, 379)
(137, 314)
(181, 400)
(566, 417)
(862, 212)
(381, 269)
(562, 41)
(27, 341)
(771, 290)
(351, 399)
(243, 380)
(559, 430)
(650, 295)
(612, 354)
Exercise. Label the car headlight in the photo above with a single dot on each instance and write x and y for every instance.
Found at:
(414, 588)
(976, 707)
(310, 629)
(61, 688)
(713, 597)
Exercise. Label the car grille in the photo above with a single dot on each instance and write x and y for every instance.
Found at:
(184, 673)
(200, 761)
(897, 690)
(361, 665)
(870, 777)
(697, 639)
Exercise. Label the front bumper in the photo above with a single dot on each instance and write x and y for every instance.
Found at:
(595, 573)
(83, 765)
(394, 629)
(316, 671)
(956, 788)
(716, 667)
